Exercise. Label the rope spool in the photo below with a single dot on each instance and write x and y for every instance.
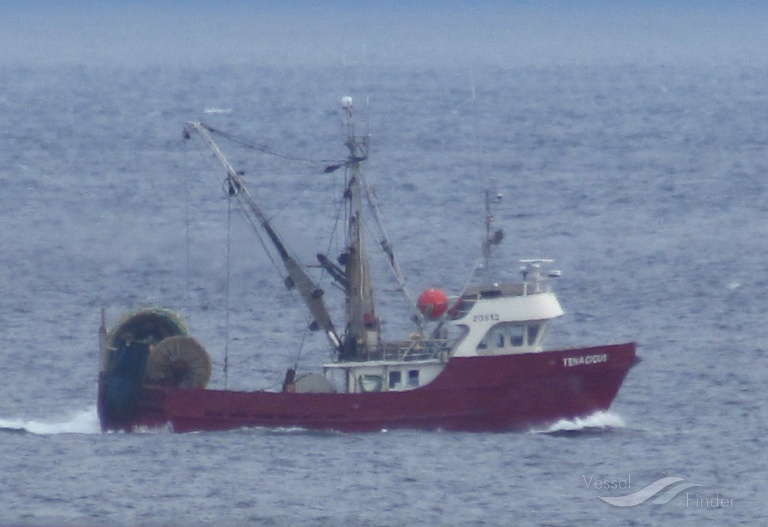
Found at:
(179, 361)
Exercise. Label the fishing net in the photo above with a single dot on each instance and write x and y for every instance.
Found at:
(148, 325)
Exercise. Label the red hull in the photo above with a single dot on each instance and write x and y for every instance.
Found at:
(509, 392)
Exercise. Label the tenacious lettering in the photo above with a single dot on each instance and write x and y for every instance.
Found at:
(584, 359)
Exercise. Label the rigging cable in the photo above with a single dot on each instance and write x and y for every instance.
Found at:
(386, 246)
(257, 230)
(188, 240)
(327, 164)
(229, 277)
(232, 190)
(228, 263)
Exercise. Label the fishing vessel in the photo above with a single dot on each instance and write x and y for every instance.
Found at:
(474, 362)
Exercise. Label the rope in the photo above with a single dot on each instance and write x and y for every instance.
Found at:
(326, 164)
(188, 239)
(386, 246)
(257, 230)
(229, 277)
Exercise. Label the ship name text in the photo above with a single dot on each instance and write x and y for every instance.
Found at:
(584, 359)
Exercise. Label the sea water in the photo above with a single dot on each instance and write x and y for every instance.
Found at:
(645, 182)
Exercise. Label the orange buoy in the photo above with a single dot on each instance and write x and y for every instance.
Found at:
(433, 303)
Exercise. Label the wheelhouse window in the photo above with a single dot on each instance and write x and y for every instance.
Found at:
(506, 336)
(533, 333)
(370, 383)
(413, 378)
(395, 378)
(495, 338)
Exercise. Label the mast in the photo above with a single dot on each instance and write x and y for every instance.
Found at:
(362, 329)
(491, 238)
(297, 277)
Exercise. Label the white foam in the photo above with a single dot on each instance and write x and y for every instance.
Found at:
(80, 422)
(595, 421)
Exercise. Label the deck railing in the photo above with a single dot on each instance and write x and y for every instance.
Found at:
(410, 350)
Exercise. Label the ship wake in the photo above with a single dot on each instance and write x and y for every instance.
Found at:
(80, 422)
(597, 423)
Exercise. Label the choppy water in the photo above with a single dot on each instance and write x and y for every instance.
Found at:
(646, 183)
